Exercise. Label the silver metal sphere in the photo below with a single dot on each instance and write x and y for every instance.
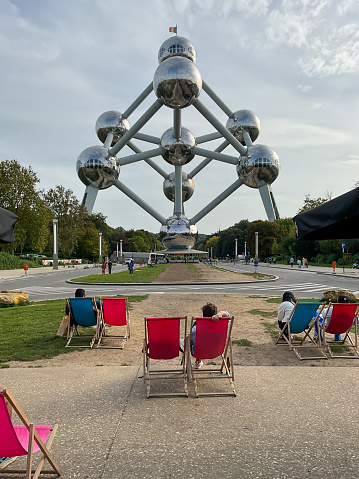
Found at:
(97, 168)
(178, 152)
(244, 120)
(177, 82)
(177, 233)
(177, 46)
(111, 122)
(259, 166)
(187, 187)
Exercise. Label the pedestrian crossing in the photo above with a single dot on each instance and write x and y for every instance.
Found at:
(37, 293)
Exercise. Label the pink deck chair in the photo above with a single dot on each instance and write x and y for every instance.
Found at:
(24, 440)
(344, 316)
(162, 343)
(213, 340)
(114, 312)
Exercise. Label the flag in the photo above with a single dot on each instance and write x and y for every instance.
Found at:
(173, 29)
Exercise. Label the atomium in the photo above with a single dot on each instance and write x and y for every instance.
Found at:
(178, 152)
(178, 233)
(177, 46)
(111, 122)
(260, 166)
(97, 168)
(177, 84)
(244, 120)
(187, 187)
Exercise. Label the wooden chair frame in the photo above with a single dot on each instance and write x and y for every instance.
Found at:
(150, 374)
(303, 325)
(334, 328)
(104, 322)
(75, 321)
(225, 371)
(33, 437)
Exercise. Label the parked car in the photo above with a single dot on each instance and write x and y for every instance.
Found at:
(127, 260)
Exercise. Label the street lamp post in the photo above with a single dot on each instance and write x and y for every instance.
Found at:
(55, 256)
(100, 250)
(121, 254)
(236, 249)
(117, 261)
(256, 235)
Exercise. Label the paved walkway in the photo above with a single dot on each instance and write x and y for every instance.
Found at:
(286, 422)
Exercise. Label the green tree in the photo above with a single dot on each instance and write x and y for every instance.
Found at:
(72, 217)
(310, 203)
(228, 237)
(18, 193)
(268, 232)
(89, 244)
(212, 243)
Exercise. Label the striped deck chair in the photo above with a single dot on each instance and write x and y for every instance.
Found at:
(162, 343)
(213, 340)
(344, 317)
(82, 312)
(301, 321)
(24, 440)
(114, 312)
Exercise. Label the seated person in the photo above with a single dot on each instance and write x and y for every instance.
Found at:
(80, 293)
(209, 310)
(285, 310)
(337, 337)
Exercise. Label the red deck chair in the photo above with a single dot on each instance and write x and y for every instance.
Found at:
(213, 340)
(114, 312)
(162, 343)
(344, 316)
(24, 440)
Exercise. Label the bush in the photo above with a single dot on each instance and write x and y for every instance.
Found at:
(8, 261)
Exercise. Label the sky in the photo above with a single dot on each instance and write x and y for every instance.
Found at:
(294, 63)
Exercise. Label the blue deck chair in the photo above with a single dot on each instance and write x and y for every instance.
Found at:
(301, 321)
(83, 312)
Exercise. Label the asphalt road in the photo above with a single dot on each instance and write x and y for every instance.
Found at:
(305, 283)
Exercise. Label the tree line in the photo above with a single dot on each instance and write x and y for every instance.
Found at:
(78, 231)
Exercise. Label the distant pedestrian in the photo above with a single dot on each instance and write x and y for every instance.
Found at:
(130, 267)
(274, 260)
(292, 262)
(104, 267)
(109, 265)
(299, 263)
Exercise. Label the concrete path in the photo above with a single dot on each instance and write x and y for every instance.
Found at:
(286, 422)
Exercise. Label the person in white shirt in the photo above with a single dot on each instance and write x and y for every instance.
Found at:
(285, 310)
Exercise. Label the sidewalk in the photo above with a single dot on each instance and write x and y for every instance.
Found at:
(19, 273)
(286, 422)
(264, 268)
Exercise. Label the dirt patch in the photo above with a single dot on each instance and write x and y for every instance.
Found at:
(192, 273)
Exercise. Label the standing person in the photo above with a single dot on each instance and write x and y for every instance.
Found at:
(104, 267)
(299, 263)
(274, 260)
(130, 266)
(209, 310)
(109, 265)
(292, 262)
(285, 310)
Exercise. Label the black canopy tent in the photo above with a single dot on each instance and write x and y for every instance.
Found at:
(7, 223)
(335, 219)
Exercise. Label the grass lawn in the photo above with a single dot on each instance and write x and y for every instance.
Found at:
(29, 332)
(140, 275)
